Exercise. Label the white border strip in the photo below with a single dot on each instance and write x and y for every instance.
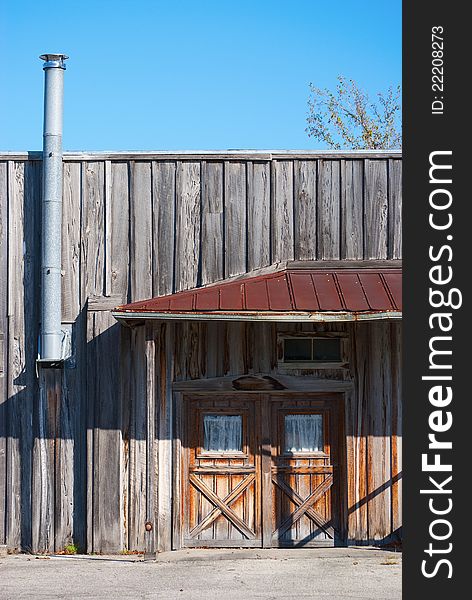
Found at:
(319, 317)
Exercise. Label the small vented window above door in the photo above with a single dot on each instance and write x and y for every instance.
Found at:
(311, 350)
(222, 433)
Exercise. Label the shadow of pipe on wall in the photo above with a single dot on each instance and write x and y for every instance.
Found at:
(49, 431)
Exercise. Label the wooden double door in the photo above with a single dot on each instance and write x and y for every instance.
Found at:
(262, 470)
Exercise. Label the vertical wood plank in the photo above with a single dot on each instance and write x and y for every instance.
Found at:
(68, 476)
(196, 363)
(92, 281)
(356, 434)
(108, 227)
(71, 241)
(215, 334)
(63, 467)
(31, 283)
(178, 445)
(235, 347)
(119, 227)
(395, 209)
(118, 275)
(376, 209)
(163, 206)
(93, 230)
(164, 536)
(329, 209)
(282, 210)
(3, 344)
(71, 498)
(137, 443)
(258, 215)
(379, 435)
(126, 411)
(187, 240)
(24, 194)
(152, 515)
(179, 353)
(235, 218)
(212, 222)
(265, 350)
(43, 481)
(397, 467)
(305, 210)
(141, 231)
(15, 355)
(352, 209)
(107, 448)
(90, 394)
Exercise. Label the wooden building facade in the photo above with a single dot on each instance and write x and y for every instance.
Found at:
(114, 449)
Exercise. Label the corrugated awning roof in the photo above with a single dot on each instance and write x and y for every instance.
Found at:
(299, 292)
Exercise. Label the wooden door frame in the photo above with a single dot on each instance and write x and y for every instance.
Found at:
(338, 458)
(336, 389)
(185, 462)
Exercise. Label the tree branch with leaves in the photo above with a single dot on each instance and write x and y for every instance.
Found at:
(347, 119)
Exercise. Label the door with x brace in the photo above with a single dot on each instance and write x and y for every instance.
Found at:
(302, 473)
(222, 474)
(259, 471)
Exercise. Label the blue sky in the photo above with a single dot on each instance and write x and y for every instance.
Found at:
(160, 75)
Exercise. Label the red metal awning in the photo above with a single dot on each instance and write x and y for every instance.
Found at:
(290, 294)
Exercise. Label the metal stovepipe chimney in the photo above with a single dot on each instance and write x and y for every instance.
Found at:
(51, 215)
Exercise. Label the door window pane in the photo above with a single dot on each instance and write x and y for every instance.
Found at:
(303, 433)
(222, 433)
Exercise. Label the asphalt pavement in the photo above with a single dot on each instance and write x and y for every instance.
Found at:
(334, 573)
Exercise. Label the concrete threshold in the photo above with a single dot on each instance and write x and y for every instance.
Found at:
(195, 555)
(216, 554)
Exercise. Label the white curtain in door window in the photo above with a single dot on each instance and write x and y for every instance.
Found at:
(222, 433)
(303, 433)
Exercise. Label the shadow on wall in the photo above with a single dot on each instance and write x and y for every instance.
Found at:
(76, 457)
(49, 429)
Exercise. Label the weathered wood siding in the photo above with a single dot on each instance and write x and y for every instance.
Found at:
(74, 462)
(372, 406)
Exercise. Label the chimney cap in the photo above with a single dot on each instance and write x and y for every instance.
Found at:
(54, 60)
